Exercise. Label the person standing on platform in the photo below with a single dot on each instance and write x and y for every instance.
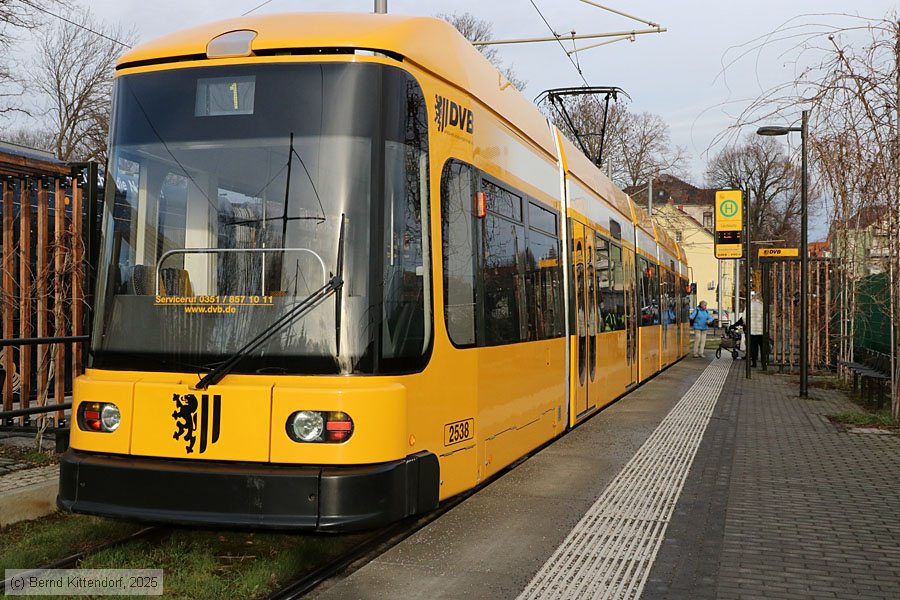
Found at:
(700, 322)
(757, 341)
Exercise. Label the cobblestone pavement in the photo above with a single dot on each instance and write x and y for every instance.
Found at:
(26, 477)
(782, 504)
(8, 465)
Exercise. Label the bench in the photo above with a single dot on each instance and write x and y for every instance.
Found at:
(870, 375)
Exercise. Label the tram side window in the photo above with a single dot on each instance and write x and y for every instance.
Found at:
(603, 273)
(664, 300)
(543, 275)
(457, 189)
(685, 301)
(670, 314)
(649, 292)
(406, 325)
(503, 268)
(614, 304)
(678, 301)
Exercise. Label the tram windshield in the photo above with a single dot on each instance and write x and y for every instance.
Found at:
(225, 195)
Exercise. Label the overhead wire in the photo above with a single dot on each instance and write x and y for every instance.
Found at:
(80, 26)
(255, 8)
(559, 41)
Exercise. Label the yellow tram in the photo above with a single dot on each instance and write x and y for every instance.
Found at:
(347, 271)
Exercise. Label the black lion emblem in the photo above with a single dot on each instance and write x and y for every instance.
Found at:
(185, 415)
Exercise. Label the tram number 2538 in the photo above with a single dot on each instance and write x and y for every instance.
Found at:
(460, 431)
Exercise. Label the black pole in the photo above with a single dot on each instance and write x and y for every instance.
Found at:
(39, 341)
(804, 267)
(287, 194)
(747, 296)
(766, 292)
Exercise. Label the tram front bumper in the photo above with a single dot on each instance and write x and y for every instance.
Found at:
(319, 498)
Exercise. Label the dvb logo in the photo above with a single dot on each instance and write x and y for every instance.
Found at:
(447, 112)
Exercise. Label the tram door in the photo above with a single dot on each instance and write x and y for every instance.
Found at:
(592, 300)
(582, 253)
(631, 345)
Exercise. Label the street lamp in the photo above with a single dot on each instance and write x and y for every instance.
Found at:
(804, 252)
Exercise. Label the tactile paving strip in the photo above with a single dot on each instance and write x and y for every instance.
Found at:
(610, 551)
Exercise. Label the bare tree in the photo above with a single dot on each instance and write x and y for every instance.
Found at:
(31, 137)
(74, 70)
(15, 14)
(19, 13)
(479, 30)
(644, 146)
(11, 89)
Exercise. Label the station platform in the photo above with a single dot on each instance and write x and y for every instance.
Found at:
(699, 484)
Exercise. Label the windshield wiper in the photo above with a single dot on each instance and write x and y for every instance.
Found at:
(308, 304)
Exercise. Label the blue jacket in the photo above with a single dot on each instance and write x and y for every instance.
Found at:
(701, 319)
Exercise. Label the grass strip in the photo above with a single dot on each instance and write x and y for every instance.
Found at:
(208, 565)
(878, 419)
(32, 544)
(198, 564)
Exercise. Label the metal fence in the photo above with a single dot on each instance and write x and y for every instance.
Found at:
(46, 243)
(781, 298)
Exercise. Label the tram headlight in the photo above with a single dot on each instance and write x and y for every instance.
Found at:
(110, 417)
(102, 417)
(306, 426)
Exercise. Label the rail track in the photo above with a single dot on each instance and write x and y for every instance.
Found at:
(383, 540)
(370, 548)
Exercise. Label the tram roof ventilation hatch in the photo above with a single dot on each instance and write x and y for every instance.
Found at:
(231, 44)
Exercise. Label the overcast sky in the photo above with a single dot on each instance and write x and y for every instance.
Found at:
(677, 74)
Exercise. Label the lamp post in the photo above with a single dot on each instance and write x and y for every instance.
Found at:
(804, 251)
(747, 317)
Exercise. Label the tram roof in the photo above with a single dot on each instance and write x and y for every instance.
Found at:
(430, 43)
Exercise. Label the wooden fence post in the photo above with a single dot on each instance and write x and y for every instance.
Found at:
(9, 290)
(24, 292)
(42, 276)
(59, 323)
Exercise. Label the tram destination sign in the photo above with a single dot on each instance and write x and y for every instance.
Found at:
(729, 224)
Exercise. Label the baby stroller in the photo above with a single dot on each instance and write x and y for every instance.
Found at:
(731, 340)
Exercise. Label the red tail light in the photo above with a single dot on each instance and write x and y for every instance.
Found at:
(338, 430)
(338, 427)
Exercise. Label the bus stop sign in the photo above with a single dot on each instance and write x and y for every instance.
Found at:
(729, 224)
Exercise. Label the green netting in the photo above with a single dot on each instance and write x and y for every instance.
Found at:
(873, 318)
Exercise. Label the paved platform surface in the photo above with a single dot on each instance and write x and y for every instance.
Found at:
(781, 503)
(28, 493)
(776, 502)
